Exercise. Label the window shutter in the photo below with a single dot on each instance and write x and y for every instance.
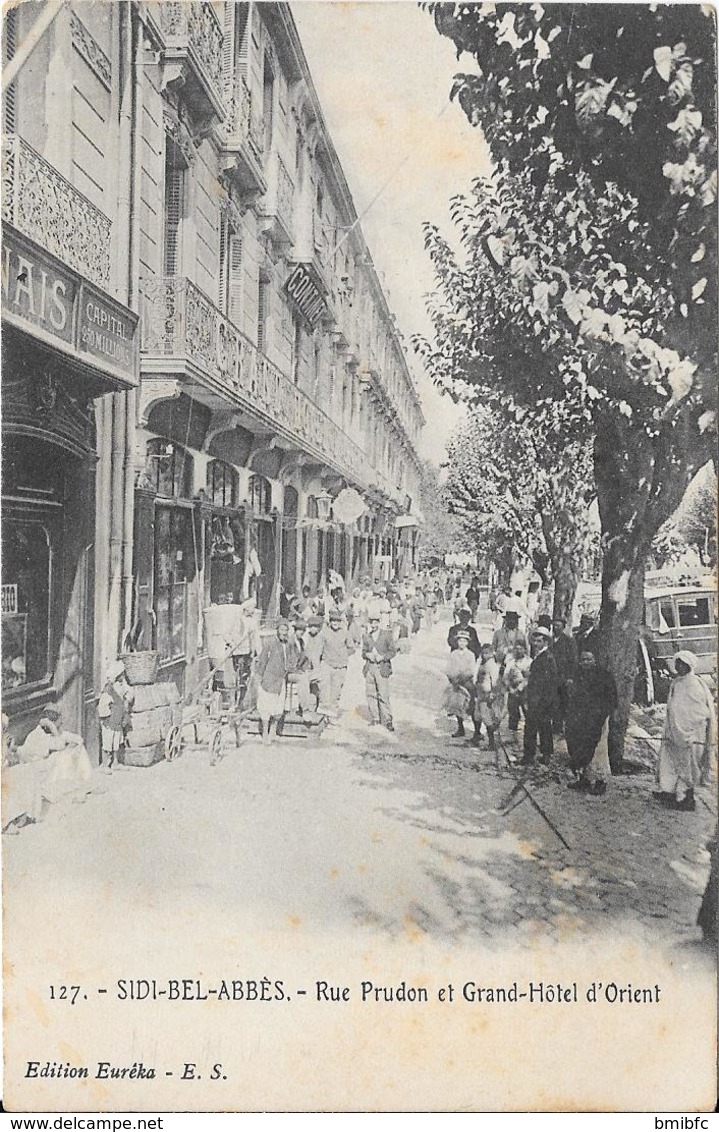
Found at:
(222, 286)
(234, 309)
(262, 316)
(173, 218)
(10, 94)
(228, 46)
(242, 34)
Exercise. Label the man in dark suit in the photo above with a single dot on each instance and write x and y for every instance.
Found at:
(378, 648)
(465, 627)
(541, 698)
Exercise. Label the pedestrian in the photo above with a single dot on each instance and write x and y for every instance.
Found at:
(506, 637)
(541, 698)
(516, 673)
(51, 764)
(591, 699)
(244, 635)
(378, 648)
(586, 635)
(314, 642)
(448, 590)
(416, 610)
(113, 710)
(430, 606)
(472, 597)
(687, 739)
(564, 650)
(338, 646)
(707, 917)
(338, 603)
(463, 626)
(459, 696)
(301, 606)
(490, 698)
(278, 659)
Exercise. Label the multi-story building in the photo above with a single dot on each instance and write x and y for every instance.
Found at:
(273, 435)
(70, 359)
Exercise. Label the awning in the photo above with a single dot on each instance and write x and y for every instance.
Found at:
(407, 521)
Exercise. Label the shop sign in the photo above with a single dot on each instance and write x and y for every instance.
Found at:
(8, 603)
(306, 295)
(106, 331)
(42, 295)
(37, 291)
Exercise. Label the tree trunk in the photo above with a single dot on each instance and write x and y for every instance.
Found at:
(566, 579)
(640, 481)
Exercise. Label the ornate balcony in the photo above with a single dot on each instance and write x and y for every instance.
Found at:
(192, 55)
(39, 202)
(278, 206)
(185, 336)
(243, 138)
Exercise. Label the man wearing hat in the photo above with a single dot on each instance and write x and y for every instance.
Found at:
(337, 648)
(507, 636)
(279, 658)
(464, 626)
(113, 709)
(378, 648)
(564, 650)
(313, 645)
(541, 698)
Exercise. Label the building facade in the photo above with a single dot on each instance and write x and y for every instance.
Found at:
(272, 435)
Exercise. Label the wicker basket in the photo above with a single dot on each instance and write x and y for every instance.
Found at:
(141, 667)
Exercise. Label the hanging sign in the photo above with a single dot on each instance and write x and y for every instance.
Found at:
(306, 295)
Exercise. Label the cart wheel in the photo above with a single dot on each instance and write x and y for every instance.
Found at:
(216, 746)
(173, 744)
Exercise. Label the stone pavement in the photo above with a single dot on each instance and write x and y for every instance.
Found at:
(388, 832)
(614, 861)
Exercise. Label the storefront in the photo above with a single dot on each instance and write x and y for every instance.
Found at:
(65, 345)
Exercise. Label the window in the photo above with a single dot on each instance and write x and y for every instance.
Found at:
(169, 469)
(694, 612)
(10, 94)
(268, 103)
(262, 314)
(27, 560)
(260, 495)
(174, 209)
(230, 284)
(296, 347)
(222, 484)
(173, 570)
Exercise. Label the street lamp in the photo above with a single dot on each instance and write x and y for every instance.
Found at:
(323, 501)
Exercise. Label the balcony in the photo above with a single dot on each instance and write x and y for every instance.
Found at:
(41, 204)
(184, 334)
(243, 140)
(278, 205)
(192, 55)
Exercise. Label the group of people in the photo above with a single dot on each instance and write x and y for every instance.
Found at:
(556, 682)
(544, 676)
(318, 635)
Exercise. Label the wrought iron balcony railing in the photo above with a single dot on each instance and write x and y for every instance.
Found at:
(48, 209)
(180, 324)
(244, 125)
(192, 31)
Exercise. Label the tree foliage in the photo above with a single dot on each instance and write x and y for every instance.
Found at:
(581, 299)
(520, 497)
(441, 532)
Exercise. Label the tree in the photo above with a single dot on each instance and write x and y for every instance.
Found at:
(597, 234)
(440, 531)
(518, 496)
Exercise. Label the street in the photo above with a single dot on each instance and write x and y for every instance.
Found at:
(379, 830)
(355, 873)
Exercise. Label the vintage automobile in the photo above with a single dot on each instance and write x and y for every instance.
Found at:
(675, 617)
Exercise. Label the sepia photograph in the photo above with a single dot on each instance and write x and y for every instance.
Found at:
(359, 557)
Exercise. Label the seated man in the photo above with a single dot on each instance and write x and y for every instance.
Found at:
(51, 764)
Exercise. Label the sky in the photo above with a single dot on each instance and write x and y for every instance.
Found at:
(383, 76)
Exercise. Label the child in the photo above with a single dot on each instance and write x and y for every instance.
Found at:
(489, 700)
(113, 709)
(460, 673)
(515, 678)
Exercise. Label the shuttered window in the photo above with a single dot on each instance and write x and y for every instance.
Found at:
(10, 94)
(174, 207)
(262, 315)
(234, 307)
